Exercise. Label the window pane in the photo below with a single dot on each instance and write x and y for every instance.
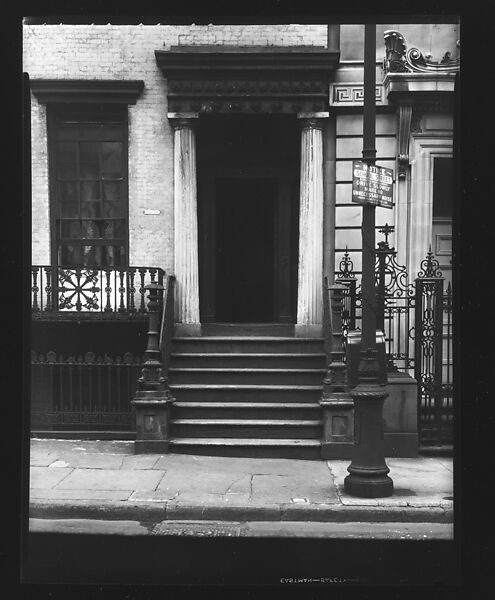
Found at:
(91, 229)
(68, 191)
(92, 255)
(69, 209)
(113, 256)
(68, 132)
(112, 209)
(112, 132)
(90, 190)
(91, 131)
(70, 255)
(113, 229)
(90, 209)
(70, 229)
(111, 191)
(111, 156)
(67, 152)
(89, 170)
(89, 151)
(67, 171)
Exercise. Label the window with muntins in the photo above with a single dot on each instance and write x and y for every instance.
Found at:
(88, 180)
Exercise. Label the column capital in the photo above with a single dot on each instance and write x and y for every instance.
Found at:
(180, 120)
(312, 120)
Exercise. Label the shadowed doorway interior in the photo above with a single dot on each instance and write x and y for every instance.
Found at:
(245, 281)
(248, 192)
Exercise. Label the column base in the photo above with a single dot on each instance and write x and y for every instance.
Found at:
(366, 487)
(308, 331)
(187, 329)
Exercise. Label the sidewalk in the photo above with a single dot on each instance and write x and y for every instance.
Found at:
(84, 481)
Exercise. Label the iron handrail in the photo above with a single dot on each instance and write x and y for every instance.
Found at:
(167, 322)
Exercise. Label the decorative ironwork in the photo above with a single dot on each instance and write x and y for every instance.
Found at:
(87, 391)
(417, 322)
(429, 266)
(35, 289)
(346, 267)
(79, 284)
(85, 291)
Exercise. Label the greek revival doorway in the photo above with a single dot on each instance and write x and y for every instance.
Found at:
(248, 218)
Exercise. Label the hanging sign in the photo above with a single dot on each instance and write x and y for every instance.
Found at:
(372, 184)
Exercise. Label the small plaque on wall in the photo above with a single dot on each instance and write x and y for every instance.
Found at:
(151, 211)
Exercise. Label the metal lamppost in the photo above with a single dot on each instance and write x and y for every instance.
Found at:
(368, 472)
(152, 400)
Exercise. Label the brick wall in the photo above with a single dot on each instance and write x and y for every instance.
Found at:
(127, 52)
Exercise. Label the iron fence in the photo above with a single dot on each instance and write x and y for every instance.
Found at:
(83, 392)
(416, 318)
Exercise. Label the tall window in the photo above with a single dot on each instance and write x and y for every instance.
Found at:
(88, 178)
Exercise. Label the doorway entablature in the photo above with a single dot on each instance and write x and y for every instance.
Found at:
(253, 80)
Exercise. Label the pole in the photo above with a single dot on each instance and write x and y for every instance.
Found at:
(368, 471)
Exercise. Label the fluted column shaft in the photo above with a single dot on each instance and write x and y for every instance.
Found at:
(309, 294)
(185, 219)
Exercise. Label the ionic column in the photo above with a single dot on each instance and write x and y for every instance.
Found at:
(185, 218)
(310, 274)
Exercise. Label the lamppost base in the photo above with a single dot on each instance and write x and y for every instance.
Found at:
(366, 487)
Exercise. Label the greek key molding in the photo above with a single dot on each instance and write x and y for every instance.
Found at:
(352, 94)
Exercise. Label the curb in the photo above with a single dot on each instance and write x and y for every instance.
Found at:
(169, 511)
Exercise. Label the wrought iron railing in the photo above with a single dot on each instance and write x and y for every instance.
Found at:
(93, 290)
(86, 392)
(167, 322)
(416, 318)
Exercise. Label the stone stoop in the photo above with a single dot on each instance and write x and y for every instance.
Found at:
(244, 394)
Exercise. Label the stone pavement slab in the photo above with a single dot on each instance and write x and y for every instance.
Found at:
(111, 479)
(44, 477)
(88, 461)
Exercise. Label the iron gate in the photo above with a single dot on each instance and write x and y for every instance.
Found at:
(416, 319)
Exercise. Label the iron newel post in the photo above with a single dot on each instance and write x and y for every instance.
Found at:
(153, 399)
(368, 472)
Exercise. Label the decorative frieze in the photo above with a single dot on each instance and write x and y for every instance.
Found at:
(247, 80)
(352, 94)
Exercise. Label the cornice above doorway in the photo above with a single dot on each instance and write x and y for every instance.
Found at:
(247, 80)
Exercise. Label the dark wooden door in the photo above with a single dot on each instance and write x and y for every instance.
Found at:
(248, 247)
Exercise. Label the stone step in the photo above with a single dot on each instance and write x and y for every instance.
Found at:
(248, 344)
(240, 329)
(192, 392)
(246, 428)
(273, 360)
(246, 410)
(306, 449)
(246, 376)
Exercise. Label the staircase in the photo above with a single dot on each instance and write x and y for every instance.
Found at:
(239, 393)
